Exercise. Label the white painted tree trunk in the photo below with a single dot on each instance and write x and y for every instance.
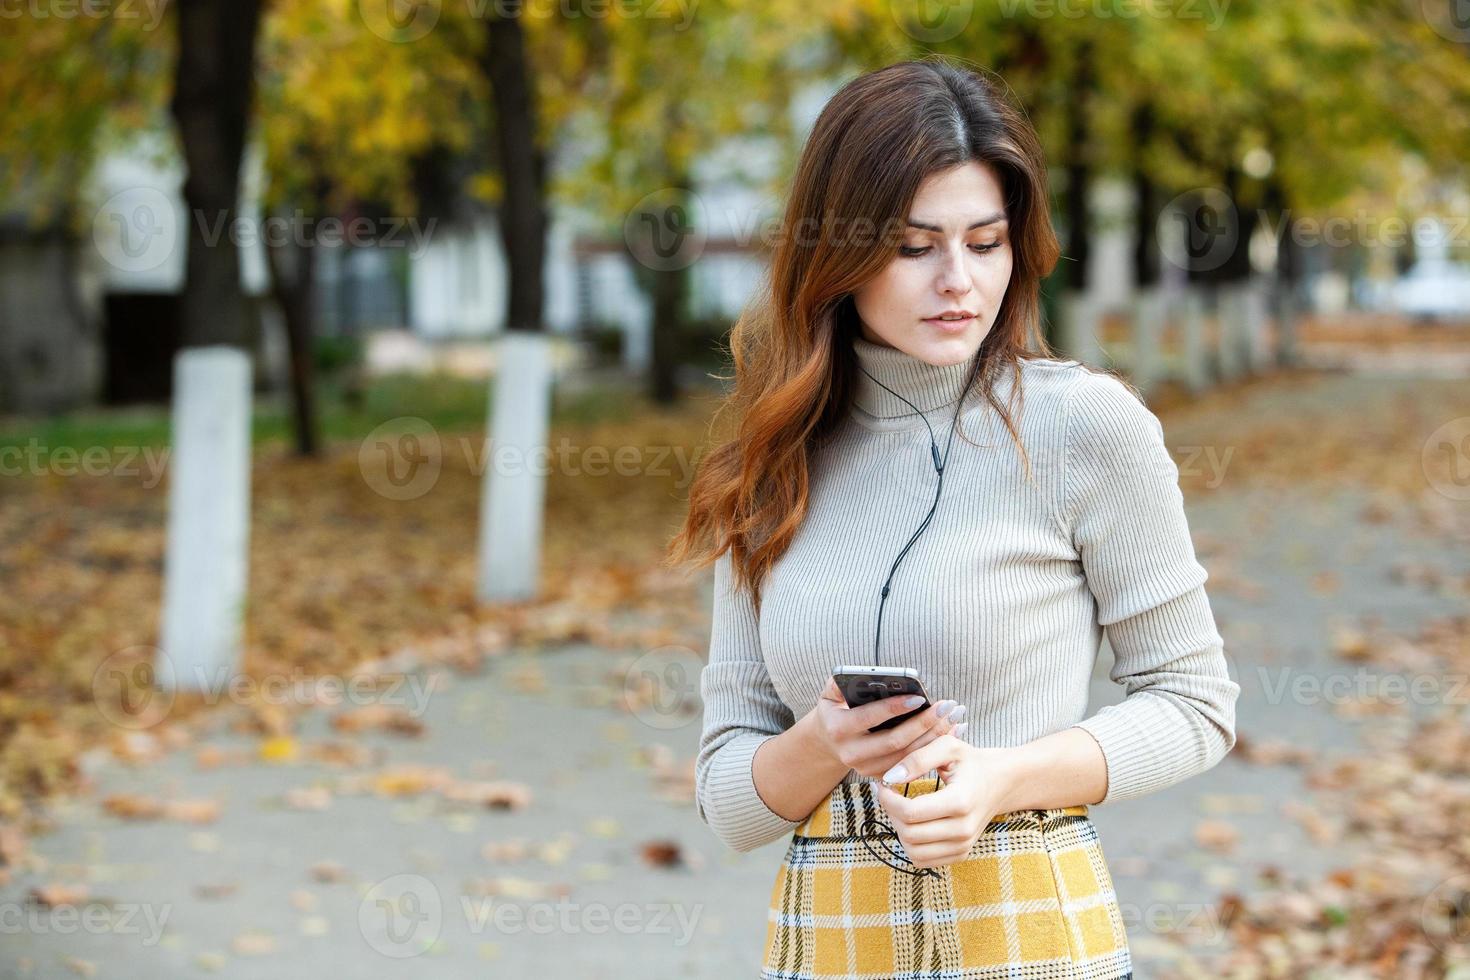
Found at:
(1192, 324)
(1081, 320)
(513, 491)
(1256, 315)
(1148, 338)
(1230, 328)
(207, 558)
(1285, 312)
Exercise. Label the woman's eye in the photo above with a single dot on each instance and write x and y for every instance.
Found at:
(914, 251)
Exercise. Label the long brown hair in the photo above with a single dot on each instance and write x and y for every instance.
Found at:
(871, 148)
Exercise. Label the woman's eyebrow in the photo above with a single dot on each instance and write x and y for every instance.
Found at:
(988, 220)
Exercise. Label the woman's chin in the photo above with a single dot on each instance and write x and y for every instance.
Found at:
(942, 351)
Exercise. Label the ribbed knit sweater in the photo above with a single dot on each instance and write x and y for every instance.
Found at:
(1000, 605)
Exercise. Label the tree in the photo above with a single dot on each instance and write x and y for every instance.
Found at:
(207, 559)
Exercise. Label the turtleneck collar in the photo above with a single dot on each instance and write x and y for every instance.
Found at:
(927, 386)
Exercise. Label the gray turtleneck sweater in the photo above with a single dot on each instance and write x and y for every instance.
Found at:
(1000, 605)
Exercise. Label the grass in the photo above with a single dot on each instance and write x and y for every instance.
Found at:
(448, 402)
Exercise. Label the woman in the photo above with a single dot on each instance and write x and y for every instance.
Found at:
(902, 305)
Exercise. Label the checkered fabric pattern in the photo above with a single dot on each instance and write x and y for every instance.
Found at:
(1033, 901)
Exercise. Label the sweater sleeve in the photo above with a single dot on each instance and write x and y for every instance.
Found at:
(741, 711)
(1122, 504)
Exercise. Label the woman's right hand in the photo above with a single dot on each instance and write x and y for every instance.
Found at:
(843, 731)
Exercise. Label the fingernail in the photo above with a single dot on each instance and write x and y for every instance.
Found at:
(898, 774)
(959, 730)
(913, 700)
(957, 715)
(943, 708)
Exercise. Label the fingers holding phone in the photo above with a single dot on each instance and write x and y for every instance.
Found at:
(856, 736)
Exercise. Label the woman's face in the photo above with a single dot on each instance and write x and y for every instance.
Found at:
(955, 256)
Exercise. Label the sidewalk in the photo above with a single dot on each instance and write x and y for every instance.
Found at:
(532, 788)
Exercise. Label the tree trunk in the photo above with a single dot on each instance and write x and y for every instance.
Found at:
(1079, 174)
(213, 89)
(206, 563)
(294, 292)
(512, 497)
(523, 218)
(670, 292)
(1146, 264)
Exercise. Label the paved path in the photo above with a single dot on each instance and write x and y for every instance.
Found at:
(392, 877)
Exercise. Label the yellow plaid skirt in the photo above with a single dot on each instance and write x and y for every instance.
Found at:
(1034, 899)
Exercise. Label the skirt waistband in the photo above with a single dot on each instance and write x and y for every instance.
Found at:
(853, 810)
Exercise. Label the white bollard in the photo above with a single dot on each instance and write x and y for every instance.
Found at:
(513, 489)
(1284, 311)
(1192, 324)
(207, 556)
(1148, 339)
(1229, 330)
(1081, 319)
(1257, 342)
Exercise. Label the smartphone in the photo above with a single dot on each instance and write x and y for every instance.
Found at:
(863, 685)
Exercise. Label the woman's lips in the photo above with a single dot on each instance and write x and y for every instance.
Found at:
(951, 326)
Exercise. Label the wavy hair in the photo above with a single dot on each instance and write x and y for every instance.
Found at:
(873, 145)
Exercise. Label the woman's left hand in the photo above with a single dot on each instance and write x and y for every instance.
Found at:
(939, 828)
